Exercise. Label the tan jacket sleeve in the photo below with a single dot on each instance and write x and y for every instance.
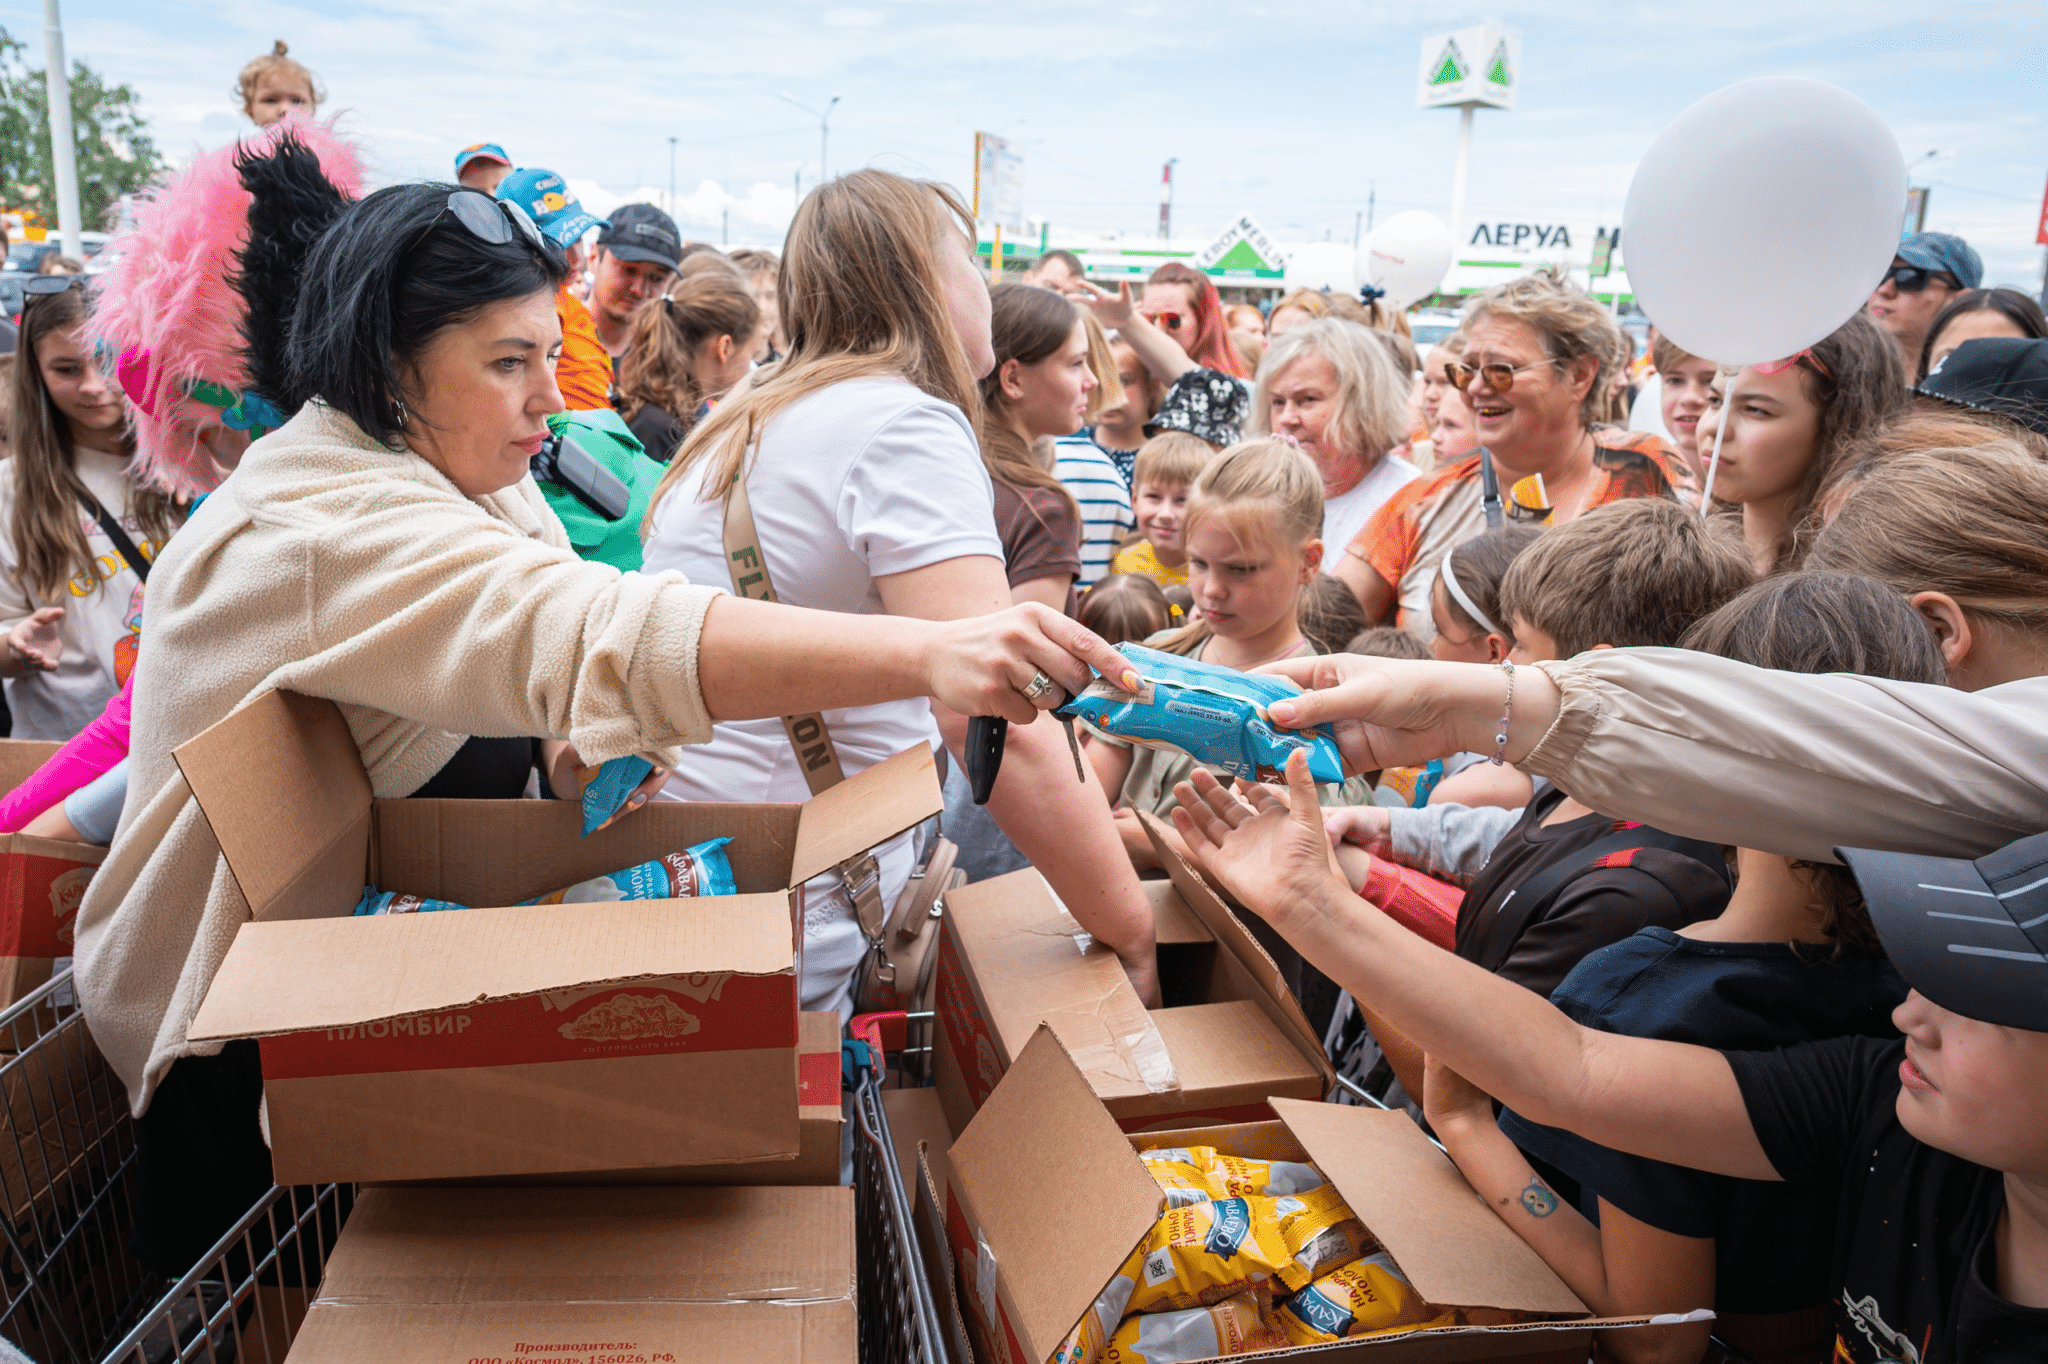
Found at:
(1797, 764)
(461, 622)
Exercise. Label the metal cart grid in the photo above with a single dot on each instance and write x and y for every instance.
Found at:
(68, 1282)
(243, 1303)
(899, 1323)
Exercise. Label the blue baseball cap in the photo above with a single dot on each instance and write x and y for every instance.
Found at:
(481, 151)
(1940, 251)
(547, 200)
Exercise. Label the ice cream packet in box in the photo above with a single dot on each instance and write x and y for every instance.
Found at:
(1213, 714)
(608, 786)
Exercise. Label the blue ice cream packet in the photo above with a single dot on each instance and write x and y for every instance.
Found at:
(700, 869)
(377, 901)
(608, 786)
(1215, 715)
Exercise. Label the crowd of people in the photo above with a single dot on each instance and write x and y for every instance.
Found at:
(1628, 655)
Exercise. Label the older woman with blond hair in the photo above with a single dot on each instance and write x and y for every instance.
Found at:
(1333, 389)
(1539, 353)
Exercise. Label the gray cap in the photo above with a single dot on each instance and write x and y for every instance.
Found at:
(1971, 936)
(643, 232)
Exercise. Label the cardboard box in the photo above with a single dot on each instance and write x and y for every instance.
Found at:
(588, 1276)
(1229, 1036)
(498, 1042)
(821, 1126)
(42, 883)
(1047, 1199)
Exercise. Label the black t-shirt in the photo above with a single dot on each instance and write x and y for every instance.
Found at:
(482, 769)
(660, 434)
(1771, 1240)
(1913, 1264)
(1537, 944)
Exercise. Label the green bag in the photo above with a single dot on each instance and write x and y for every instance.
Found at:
(611, 443)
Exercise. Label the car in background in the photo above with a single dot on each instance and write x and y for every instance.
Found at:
(25, 257)
(1430, 326)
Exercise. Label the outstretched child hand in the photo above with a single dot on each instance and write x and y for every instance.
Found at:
(1269, 852)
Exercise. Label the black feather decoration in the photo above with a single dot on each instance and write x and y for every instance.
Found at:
(294, 204)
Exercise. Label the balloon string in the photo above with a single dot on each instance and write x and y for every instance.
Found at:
(1714, 464)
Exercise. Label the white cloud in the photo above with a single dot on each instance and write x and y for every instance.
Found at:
(852, 18)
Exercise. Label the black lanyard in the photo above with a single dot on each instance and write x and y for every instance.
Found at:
(122, 544)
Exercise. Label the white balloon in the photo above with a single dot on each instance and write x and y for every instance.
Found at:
(1762, 218)
(1407, 256)
(1323, 265)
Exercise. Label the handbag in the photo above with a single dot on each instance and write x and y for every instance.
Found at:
(895, 971)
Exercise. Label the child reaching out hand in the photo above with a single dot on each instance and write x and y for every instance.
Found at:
(1793, 958)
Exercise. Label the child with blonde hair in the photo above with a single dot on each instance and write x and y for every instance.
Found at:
(1161, 482)
(1253, 542)
(274, 85)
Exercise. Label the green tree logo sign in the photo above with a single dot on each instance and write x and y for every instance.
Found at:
(1450, 67)
(116, 155)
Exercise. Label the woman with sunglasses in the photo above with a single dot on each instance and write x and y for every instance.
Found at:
(1930, 269)
(386, 549)
(1538, 353)
(1178, 330)
(1794, 426)
(77, 530)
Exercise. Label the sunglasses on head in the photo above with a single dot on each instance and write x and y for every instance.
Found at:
(496, 221)
(1499, 377)
(1912, 279)
(1166, 318)
(43, 286)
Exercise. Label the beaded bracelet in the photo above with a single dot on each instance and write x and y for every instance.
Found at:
(1507, 710)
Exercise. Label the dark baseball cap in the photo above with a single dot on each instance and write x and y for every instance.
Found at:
(1942, 251)
(643, 232)
(2003, 374)
(1971, 936)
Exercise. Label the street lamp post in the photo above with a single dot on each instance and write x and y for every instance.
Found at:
(63, 150)
(671, 176)
(824, 126)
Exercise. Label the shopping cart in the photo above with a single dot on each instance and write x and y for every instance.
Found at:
(68, 1283)
(899, 1321)
(243, 1303)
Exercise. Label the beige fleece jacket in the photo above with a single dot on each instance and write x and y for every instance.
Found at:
(332, 566)
(1797, 764)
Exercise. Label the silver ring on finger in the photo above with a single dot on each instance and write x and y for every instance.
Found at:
(1040, 684)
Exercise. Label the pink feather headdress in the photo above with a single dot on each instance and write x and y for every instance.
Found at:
(166, 308)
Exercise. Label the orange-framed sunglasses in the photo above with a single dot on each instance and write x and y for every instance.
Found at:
(1500, 378)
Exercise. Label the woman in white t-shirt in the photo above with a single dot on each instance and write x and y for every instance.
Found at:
(869, 495)
(70, 603)
(1332, 388)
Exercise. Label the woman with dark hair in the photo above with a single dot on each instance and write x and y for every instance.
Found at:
(1793, 426)
(77, 530)
(1978, 313)
(386, 550)
(1038, 390)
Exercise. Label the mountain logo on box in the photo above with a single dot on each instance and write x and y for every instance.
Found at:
(1233, 1222)
(629, 1017)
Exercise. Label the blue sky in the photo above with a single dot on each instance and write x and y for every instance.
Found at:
(1292, 112)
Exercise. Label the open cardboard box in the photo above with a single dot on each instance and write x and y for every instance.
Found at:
(1045, 1141)
(536, 1040)
(1230, 1033)
(588, 1276)
(42, 883)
